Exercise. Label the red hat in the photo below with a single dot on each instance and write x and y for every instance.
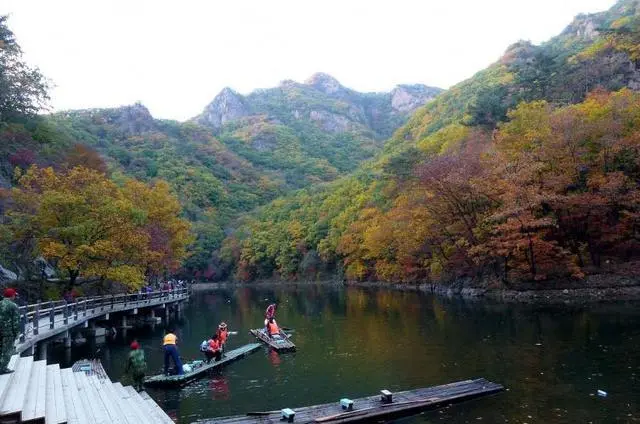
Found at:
(135, 345)
(9, 292)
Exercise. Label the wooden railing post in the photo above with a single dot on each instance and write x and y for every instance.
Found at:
(75, 309)
(52, 315)
(23, 325)
(66, 313)
(36, 319)
(84, 307)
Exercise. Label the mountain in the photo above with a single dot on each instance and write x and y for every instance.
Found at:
(525, 173)
(312, 131)
(242, 152)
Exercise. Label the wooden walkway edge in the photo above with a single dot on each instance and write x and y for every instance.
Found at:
(371, 408)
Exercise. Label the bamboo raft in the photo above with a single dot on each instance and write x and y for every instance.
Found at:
(90, 367)
(279, 343)
(372, 408)
(200, 368)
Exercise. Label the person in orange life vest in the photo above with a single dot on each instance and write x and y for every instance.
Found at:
(214, 350)
(171, 351)
(223, 335)
(272, 327)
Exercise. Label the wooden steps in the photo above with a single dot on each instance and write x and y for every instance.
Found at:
(5, 379)
(33, 407)
(14, 399)
(164, 418)
(39, 393)
(55, 411)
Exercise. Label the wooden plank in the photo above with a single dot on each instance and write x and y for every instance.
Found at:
(152, 403)
(90, 399)
(131, 406)
(34, 402)
(372, 409)
(110, 403)
(12, 403)
(74, 406)
(55, 412)
(279, 344)
(143, 405)
(5, 379)
(162, 380)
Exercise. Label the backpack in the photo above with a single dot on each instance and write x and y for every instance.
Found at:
(204, 346)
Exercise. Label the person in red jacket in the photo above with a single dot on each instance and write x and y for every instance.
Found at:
(215, 349)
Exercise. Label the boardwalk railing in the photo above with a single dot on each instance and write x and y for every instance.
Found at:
(41, 320)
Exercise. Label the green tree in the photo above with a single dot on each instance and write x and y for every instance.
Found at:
(23, 90)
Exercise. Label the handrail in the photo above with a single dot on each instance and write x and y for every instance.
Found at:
(35, 312)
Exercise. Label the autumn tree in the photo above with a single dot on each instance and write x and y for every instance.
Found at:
(91, 228)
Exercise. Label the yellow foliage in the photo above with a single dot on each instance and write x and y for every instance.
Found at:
(92, 228)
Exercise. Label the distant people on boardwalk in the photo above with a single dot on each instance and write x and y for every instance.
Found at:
(9, 327)
(136, 365)
(169, 345)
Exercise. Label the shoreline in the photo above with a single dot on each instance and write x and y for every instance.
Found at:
(592, 290)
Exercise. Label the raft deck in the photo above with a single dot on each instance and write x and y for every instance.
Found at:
(371, 408)
(277, 343)
(200, 369)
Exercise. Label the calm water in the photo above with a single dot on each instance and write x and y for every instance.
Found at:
(354, 342)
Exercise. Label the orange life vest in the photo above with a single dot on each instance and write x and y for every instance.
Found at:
(214, 345)
(222, 336)
(273, 328)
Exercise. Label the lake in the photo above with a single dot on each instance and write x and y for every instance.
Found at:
(353, 342)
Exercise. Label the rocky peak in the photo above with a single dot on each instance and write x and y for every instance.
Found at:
(134, 119)
(406, 98)
(226, 106)
(325, 83)
(583, 27)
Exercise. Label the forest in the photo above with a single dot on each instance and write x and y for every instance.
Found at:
(523, 174)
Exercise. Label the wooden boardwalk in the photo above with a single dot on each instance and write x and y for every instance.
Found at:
(277, 343)
(39, 393)
(202, 369)
(371, 408)
(43, 321)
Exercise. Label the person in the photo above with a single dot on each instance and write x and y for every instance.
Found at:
(9, 327)
(214, 349)
(171, 351)
(272, 327)
(269, 313)
(223, 335)
(136, 365)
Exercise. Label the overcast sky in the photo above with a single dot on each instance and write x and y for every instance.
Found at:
(175, 56)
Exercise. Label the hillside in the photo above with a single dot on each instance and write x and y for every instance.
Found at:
(242, 153)
(518, 175)
(312, 131)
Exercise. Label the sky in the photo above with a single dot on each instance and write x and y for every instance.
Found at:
(175, 56)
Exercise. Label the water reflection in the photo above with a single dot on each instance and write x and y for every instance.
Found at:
(353, 342)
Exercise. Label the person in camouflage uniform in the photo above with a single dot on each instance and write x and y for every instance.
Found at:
(136, 365)
(9, 327)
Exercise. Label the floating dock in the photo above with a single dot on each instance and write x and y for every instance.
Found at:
(200, 369)
(277, 343)
(372, 408)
